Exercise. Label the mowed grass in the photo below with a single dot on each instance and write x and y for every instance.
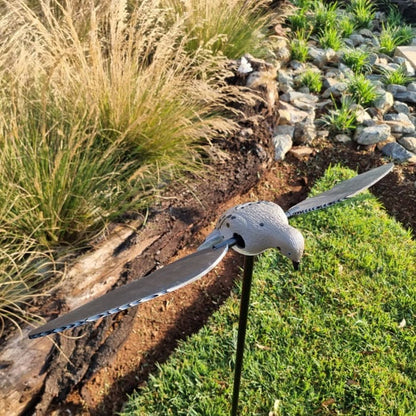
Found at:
(336, 338)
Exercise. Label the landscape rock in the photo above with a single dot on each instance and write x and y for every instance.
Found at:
(342, 138)
(285, 129)
(282, 144)
(399, 123)
(357, 39)
(397, 89)
(336, 90)
(400, 107)
(286, 82)
(289, 114)
(406, 96)
(305, 133)
(320, 57)
(384, 101)
(398, 153)
(409, 143)
(411, 86)
(301, 152)
(372, 134)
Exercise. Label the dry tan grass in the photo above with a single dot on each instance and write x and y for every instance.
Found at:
(98, 102)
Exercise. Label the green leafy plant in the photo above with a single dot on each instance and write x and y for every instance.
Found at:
(324, 15)
(330, 38)
(347, 26)
(392, 36)
(341, 119)
(311, 79)
(398, 77)
(357, 59)
(363, 11)
(362, 90)
(299, 46)
(299, 21)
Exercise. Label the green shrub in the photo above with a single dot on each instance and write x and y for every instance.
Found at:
(341, 119)
(398, 77)
(392, 36)
(324, 15)
(312, 80)
(299, 47)
(357, 59)
(347, 26)
(331, 38)
(362, 90)
(363, 11)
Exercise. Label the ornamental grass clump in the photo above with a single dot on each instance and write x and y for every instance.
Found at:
(363, 12)
(358, 60)
(330, 37)
(342, 118)
(230, 27)
(392, 36)
(362, 90)
(397, 77)
(299, 46)
(312, 80)
(98, 106)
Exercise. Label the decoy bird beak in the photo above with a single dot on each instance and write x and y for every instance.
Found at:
(296, 265)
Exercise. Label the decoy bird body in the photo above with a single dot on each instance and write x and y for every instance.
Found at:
(258, 226)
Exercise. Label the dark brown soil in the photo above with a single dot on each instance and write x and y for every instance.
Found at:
(149, 334)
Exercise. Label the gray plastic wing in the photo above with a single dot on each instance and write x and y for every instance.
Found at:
(162, 281)
(341, 191)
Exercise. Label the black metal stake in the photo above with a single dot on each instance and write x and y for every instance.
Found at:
(242, 325)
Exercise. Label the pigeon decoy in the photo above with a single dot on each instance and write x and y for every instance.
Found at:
(248, 228)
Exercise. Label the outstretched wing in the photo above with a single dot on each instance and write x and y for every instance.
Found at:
(162, 281)
(341, 191)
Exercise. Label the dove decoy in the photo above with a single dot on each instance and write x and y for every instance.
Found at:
(249, 228)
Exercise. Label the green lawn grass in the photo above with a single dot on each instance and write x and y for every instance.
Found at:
(336, 338)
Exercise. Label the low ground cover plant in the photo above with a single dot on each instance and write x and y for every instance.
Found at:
(342, 118)
(311, 79)
(336, 337)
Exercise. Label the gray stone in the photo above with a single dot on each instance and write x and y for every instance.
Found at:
(285, 80)
(285, 129)
(336, 90)
(384, 101)
(396, 89)
(329, 82)
(357, 39)
(305, 133)
(289, 114)
(361, 114)
(406, 96)
(411, 87)
(348, 42)
(399, 123)
(282, 144)
(372, 134)
(342, 138)
(300, 100)
(320, 57)
(367, 33)
(400, 107)
(398, 152)
(409, 143)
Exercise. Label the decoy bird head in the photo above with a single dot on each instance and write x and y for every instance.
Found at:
(258, 226)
